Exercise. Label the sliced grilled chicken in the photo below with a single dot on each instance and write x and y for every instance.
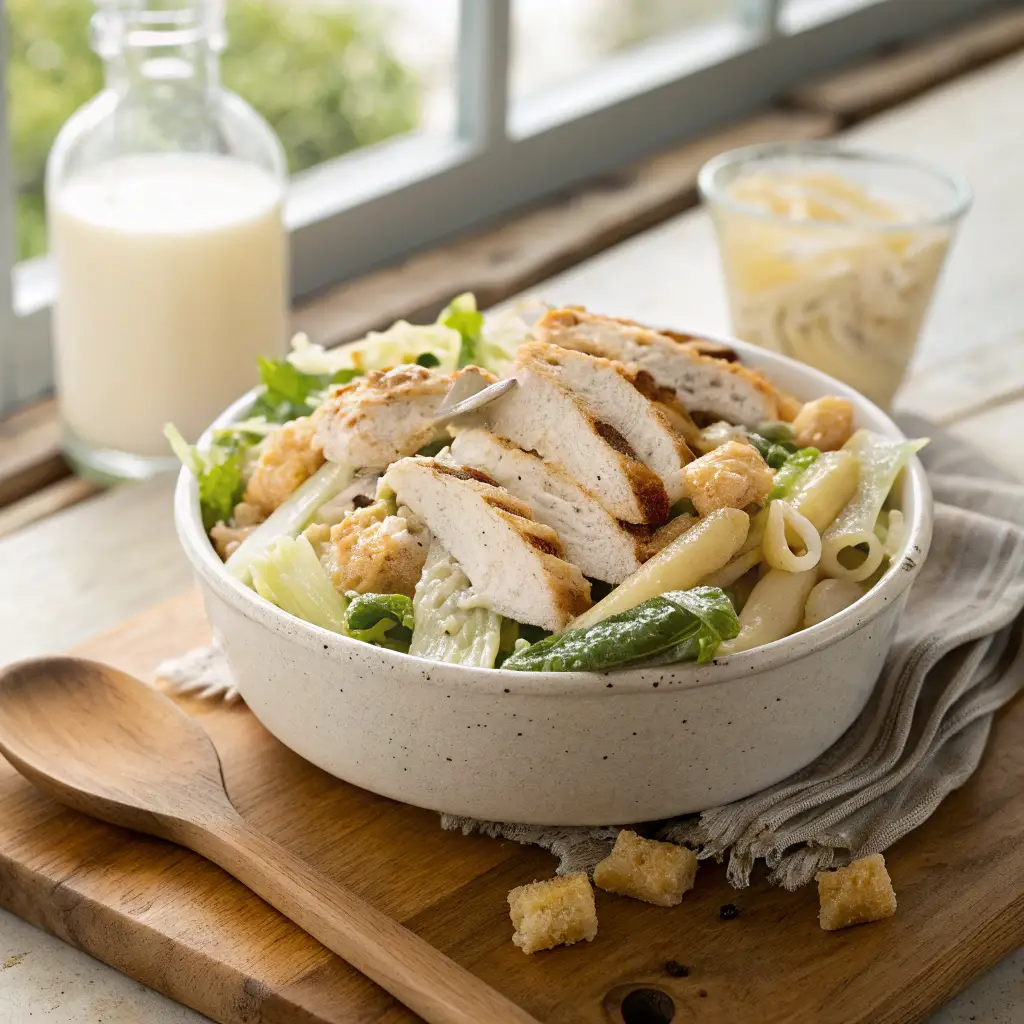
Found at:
(706, 385)
(611, 393)
(383, 416)
(514, 563)
(594, 540)
(546, 416)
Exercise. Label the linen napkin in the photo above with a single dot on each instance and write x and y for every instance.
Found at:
(958, 657)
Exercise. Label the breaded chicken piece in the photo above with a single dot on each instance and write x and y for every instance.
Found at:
(515, 564)
(704, 384)
(732, 476)
(826, 424)
(289, 456)
(384, 416)
(374, 552)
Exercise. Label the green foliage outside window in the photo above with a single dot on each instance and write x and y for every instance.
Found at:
(324, 77)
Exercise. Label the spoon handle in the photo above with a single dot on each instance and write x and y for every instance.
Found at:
(398, 960)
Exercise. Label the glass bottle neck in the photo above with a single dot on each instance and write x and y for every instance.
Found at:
(153, 49)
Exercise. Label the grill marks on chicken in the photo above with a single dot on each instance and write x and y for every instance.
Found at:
(514, 563)
(574, 472)
(625, 418)
(383, 416)
(708, 384)
(602, 547)
(546, 416)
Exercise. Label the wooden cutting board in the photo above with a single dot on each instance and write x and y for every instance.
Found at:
(181, 926)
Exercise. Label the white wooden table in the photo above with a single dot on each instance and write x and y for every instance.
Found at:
(85, 570)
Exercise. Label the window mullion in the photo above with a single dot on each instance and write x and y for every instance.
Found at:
(8, 384)
(485, 28)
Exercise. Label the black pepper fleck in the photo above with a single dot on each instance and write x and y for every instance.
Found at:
(729, 912)
(676, 969)
(605, 758)
(655, 685)
(447, 758)
(519, 734)
(703, 993)
(507, 690)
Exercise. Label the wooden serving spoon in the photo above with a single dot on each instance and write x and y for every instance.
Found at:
(110, 746)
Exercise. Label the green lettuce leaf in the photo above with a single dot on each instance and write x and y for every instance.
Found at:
(450, 625)
(462, 315)
(385, 620)
(791, 470)
(289, 518)
(681, 625)
(288, 393)
(289, 574)
(218, 471)
(366, 610)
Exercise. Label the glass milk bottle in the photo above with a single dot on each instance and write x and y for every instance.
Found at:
(164, 199)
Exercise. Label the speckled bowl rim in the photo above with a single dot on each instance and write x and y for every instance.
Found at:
(803, 380)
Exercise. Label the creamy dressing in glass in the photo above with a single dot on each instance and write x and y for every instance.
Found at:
(173, 274)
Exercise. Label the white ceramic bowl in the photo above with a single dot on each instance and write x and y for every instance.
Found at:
(569, 748)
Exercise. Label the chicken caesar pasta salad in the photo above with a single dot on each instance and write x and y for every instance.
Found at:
(638, 497)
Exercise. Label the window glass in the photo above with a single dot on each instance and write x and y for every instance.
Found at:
(331, 76)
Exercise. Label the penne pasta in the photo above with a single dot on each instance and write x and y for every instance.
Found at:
(820, 494)
(892, 538)
(880, 462)
(701, 550)
(774, 609)
(783, 519)
(732, 571)
(829, 597)
(826, 488)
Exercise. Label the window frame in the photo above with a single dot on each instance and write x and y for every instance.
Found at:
(412, 192)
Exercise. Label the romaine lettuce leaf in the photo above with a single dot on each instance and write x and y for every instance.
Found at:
(218, 472)
(400, 344)
(462, 315)
(290, 518)
(791, 470)
(288, 573)
(289, 392)
(681, 625)
(449, 625)
(366, 610)
(385, 620)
